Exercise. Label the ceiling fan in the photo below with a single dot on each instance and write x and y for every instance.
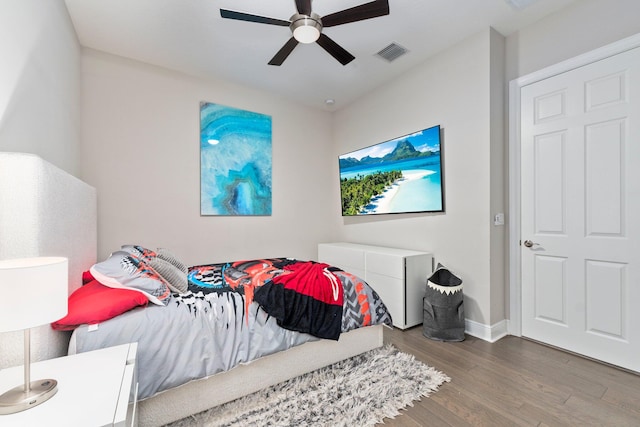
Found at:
(307, 26)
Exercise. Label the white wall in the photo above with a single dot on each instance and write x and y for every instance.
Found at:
(39, 82)
(583, 26)
(451, 89)
(39, 114)
(140, 133)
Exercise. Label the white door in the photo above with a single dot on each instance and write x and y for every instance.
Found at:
(580, 210)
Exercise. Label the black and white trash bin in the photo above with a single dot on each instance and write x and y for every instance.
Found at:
(443, 307)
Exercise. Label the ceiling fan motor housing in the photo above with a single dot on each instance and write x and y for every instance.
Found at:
(306, 28)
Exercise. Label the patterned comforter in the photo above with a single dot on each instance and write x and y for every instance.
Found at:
(216, 325)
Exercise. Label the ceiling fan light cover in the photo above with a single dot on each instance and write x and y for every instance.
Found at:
(306, 29)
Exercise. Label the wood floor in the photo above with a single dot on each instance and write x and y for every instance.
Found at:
(516, 382)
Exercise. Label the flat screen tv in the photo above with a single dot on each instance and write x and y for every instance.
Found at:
(402, 175)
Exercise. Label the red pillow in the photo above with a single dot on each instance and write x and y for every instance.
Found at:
(95, 303)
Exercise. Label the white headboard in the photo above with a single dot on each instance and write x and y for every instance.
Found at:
(44, 211)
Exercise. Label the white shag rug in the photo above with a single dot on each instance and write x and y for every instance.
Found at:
(360, 391)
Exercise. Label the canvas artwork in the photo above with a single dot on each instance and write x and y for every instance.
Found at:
(402, 175)
(235, 161)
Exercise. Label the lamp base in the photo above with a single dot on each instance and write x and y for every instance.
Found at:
(16, 400)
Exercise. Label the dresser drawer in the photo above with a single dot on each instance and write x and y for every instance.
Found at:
(392, 266)
(348, 259)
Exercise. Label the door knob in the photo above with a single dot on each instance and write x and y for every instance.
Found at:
(529, 243)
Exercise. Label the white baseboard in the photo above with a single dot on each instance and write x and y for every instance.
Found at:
(491, 333)
(513, 328)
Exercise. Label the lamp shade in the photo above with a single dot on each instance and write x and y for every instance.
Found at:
(33, 292)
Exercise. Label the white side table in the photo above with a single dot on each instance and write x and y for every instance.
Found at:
(95, 389)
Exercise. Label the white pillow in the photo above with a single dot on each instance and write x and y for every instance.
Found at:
(127, 271)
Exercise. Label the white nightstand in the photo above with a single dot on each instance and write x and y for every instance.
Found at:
(95, 389)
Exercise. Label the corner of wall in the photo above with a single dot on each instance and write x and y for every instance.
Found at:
(41, 61)
(498, 167)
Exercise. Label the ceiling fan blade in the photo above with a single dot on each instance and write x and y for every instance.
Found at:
(335, 50)
(369, 10)
(283, 53)
(304, 7)
(241, 16)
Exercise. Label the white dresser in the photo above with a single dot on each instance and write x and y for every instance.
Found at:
(95, 389)
(399, 276)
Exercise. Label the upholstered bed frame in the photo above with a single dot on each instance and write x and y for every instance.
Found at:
(45, 211)
(199, 395)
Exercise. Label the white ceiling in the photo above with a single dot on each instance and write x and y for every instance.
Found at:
(191, 37)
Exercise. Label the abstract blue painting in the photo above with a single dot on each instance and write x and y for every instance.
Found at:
(235, 161)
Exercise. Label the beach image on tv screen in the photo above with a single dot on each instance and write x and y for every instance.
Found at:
(402, 175)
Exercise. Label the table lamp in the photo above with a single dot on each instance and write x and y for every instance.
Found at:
(33, 292)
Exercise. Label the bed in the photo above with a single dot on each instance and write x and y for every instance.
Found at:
(170, 399)
(259, 321)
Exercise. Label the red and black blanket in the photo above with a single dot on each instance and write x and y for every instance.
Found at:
(306, 298)
(302, 296)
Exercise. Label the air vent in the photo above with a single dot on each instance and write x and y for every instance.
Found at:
(392, 52)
